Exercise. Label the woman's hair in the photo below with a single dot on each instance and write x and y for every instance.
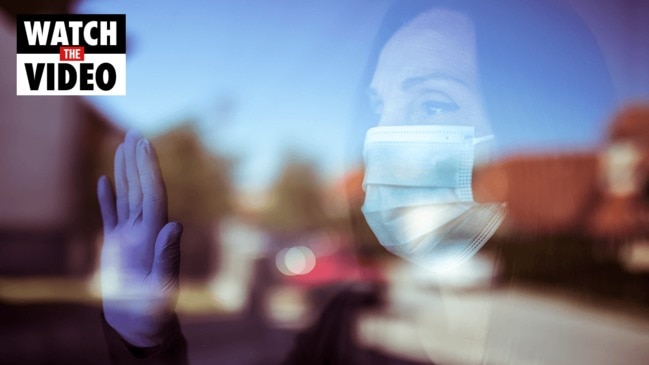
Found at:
(542, 76)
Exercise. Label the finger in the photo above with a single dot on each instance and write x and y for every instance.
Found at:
(121, 185)
(132, 175)
(106, 204)
(154, 196)
(166, 263)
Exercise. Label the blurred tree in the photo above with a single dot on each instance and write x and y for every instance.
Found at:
(198, 183)
(200, 194)
(296, 199)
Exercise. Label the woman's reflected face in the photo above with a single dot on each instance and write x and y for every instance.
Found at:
(427, 73)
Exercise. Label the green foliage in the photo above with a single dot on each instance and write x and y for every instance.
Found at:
(198, 183)
(296, 199)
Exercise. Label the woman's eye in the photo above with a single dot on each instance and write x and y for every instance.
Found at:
(434, 108)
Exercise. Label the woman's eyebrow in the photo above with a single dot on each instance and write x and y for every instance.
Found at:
(413, 81)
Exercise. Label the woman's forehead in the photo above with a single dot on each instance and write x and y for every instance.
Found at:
(438, 41)
(452, 22)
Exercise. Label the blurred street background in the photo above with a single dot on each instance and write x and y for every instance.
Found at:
(263, 168)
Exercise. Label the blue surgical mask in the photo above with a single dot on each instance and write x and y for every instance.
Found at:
(418, 198)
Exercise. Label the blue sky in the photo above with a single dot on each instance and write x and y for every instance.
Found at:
(267, 78)
(288, 70)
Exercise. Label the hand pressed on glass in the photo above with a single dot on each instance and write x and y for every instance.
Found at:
(141, 252)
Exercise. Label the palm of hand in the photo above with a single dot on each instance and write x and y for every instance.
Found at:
(140, 255)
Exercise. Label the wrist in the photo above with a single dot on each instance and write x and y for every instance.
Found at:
(142, 331)
(130, 344)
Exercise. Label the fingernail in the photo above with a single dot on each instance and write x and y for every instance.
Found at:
(177, 230)
(144, 144)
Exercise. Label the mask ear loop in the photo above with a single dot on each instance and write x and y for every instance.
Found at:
(485, 138)
(483, 156)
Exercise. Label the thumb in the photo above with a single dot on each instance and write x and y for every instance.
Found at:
(166, 262)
